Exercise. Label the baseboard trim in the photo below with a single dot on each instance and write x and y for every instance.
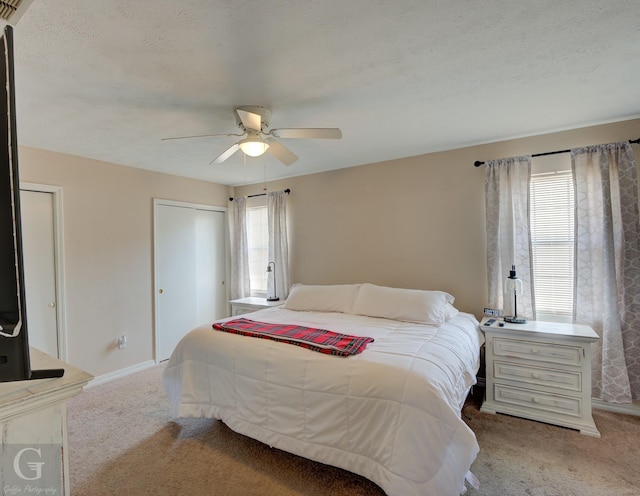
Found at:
(102, 379)
(632, 409)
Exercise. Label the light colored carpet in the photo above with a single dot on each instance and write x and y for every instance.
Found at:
(123, 441)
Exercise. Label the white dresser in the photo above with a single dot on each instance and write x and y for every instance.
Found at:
(33, 429)
(540, 371)
(251, 304)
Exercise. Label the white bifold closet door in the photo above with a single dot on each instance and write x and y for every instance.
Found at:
(190, 271)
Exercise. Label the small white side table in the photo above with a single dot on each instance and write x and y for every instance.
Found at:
(540, 371)
(251, 304)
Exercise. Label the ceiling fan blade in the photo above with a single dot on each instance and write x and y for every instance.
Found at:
(250, 120)
(226, 154)
(308, 133)
(200, 136)
(281, 152)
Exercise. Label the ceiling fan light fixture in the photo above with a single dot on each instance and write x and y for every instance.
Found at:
(252, 121)
(253, 146)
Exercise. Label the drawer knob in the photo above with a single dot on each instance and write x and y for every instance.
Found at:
(535, 350)
(536, 376)
(534, 400)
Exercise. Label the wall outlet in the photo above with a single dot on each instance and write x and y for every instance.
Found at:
(122, 342)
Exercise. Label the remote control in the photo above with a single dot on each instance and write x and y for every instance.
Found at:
(490, 322)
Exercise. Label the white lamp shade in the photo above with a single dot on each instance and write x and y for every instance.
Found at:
(254, 147)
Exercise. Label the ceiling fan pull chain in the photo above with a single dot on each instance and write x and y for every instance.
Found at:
(245, 168)
(264, 168)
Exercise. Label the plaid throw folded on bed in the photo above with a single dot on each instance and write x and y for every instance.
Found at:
(322, 340)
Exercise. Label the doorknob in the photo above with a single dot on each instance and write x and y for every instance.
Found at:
(52, 304)
(161, 291)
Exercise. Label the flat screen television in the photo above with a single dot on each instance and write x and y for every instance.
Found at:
(14, 343)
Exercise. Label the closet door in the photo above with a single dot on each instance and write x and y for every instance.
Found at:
(190, 268)
(211, 294)
(176, 273)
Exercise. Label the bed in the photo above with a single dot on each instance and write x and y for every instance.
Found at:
(391, 413)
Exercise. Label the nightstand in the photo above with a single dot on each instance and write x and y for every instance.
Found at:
(540, 371)
(251, 304)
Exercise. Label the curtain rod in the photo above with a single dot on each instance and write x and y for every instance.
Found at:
(287, 191)
(478, 163)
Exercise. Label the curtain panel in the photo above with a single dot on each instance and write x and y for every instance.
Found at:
(508, 234)
(240, 280)
(278, 243)
(607, 265)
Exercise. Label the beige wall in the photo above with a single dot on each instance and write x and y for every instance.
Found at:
(108, 251)
(416, 222)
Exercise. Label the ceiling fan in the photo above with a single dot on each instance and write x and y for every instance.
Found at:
(254, 122)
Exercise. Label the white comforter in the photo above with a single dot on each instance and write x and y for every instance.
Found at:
(390, 414)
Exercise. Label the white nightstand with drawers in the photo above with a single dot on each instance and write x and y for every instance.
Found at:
(540, 371)
(251, 304)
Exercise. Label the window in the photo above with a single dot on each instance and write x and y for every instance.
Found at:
(552, 230)
(258, 248)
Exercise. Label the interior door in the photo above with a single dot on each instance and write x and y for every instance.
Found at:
(190, 268)
(38, 242)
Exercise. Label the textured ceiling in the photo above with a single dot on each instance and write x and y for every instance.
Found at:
(108, 79)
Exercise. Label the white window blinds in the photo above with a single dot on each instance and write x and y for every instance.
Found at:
(258, 249)
(552, 228)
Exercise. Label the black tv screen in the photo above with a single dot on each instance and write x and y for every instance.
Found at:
(14, 344)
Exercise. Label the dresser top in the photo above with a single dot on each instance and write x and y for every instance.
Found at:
(541, 328)
(19, 396)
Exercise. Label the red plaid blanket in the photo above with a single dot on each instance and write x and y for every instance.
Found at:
(329, 342)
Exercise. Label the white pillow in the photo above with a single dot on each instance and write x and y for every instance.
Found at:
(450, 312)
(407, 305)
(331, 298)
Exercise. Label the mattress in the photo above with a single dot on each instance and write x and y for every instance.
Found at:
(391, 413)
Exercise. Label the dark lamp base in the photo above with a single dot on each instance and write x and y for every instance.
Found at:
(515, 320)
(273, 298)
